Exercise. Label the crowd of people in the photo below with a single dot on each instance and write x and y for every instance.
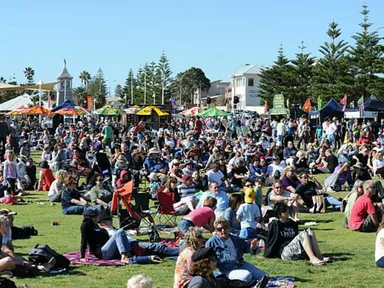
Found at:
(215, 169)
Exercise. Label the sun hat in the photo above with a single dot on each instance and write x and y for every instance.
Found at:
(358, 165)
(249, 195)
(203, 253)
(153, 177)
(104, 215)
(153, 151)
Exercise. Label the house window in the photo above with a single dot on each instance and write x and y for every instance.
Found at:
(250, 82)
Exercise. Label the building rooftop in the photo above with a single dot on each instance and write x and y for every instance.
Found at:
(247, 69)
(64, 73)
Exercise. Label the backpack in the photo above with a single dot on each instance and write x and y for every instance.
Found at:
(6, 283)
(41, 254)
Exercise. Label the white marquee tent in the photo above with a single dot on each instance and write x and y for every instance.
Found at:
(22, 100)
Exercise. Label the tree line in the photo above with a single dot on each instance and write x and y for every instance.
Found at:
(347, 68)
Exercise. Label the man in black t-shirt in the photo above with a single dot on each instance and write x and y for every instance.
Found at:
(330, 162)
(239, 173)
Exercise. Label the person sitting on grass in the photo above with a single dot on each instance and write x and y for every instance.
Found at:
(285, 242)
(338, 178)
(365, 216)
(278, 195)
(46, 177)
(350, 199)
(200, 217)
(193, 240)
(229, 251)
(71, 200)
(230, 213)
(379, 246)
(203, 265)
(99, 195)
(54, 194)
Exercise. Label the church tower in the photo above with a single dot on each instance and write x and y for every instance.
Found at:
(64, 92)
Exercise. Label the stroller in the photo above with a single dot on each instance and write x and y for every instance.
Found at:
(132, 217)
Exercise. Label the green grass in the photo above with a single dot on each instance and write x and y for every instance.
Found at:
(353, 253)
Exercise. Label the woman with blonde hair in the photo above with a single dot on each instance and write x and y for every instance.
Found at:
(351, 198)
(11, 171)
(193, 240)
(289, 179)
(378, 164)
(54, 194)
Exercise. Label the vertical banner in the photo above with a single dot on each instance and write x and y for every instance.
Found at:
(89, 102)
(49, 101)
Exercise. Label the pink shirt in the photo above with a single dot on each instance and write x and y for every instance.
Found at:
(360, 210)
(201, 216)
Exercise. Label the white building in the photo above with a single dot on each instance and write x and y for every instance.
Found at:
(64, 90)
(246, 86)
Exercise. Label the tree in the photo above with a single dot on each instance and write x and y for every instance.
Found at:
(164, 72)
(29, 73)
(119, 91)
(80, 96)
(303, 69)
(277, 79)
(129, 86)
(3, 80)
(98, 89)
(366, 60)
(85, 77)
(332, 77)
(189, 81)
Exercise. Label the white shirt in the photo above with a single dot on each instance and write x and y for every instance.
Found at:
(331, 129)
(272, 168)
(215, 177)
(379, 247)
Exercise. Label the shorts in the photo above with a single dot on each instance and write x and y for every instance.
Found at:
(248, 233)
(295, 250)
(184, 225)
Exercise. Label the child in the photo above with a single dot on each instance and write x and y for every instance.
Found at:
(258, 192)
(154, 184)
(248, 215)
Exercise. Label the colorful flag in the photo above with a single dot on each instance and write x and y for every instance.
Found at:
(360, 101)
(266, 109)
(319, 103)
(307, 105)
(89, 102)
(344, 102)
(287, 103)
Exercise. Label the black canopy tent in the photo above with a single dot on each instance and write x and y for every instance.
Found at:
(373, 104)
(331, 109)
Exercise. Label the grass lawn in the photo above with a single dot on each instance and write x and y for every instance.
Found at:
(353, 253)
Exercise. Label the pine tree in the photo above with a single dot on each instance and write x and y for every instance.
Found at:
(129, 87)
(163, 74)
(141, 88)
(119, 91)
(277, 79)
(331, 74)
(303, 67)
(366, 60)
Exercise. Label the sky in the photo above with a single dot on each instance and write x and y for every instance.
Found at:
(116, 35)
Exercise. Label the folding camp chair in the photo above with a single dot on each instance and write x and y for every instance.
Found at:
(165, 208)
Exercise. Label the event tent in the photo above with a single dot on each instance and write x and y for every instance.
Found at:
(373, 104)
(66, 104)
(331, 109)
(12, 104)
(146, 111)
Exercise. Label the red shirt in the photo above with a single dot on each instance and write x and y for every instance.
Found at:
(201, 216)
(360, 211)
(198, 126)
(47, 177)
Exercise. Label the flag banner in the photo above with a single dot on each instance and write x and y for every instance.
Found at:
(344, 102)
(360, 101)
(266, 109)
(319, 103)
(49, 101)
(307, 107)
(89, 102)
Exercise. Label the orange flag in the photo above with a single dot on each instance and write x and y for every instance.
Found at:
(307, 105)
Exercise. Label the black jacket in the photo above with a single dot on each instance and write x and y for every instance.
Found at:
(219, 282)
(93, 236)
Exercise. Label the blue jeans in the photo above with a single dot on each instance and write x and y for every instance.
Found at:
(116, 245)
(74, 210)
(380, 262)
(245, 272)
(184, 225)
(332, 201)
(159, 249)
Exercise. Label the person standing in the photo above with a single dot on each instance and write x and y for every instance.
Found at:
(107, 133)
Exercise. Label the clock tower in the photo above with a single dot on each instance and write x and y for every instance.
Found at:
(64, 91)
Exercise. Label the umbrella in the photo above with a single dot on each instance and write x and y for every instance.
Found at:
(75, 111)
(213, 112)
(191, 112)
(18, 111)
(149, 110)
(39, 110)
(132, 110)
(108, 110)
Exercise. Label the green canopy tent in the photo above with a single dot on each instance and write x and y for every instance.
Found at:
(213, 112)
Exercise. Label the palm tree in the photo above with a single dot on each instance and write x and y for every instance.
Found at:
(80, 95)
(29, 73)
(85, 76)
(3, 80)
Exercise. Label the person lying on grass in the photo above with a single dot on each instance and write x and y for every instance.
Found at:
(285, 242)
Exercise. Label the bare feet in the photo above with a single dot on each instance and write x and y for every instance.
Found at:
(318, 262)
(125, 259)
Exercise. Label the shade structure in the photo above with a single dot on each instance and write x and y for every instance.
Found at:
(18, 111)
(75, 111)
(213, 112)
(44, 87)
(39, 110)
(146, 111)
(191, 112)
(108, 110)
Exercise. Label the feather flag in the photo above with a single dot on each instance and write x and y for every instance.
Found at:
(287, 102)
(319, 103)
(266, 109)
(360, 101)
(307, 107)
(344, 102)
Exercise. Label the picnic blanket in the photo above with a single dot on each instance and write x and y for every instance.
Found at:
(75, 256)
(281, 282)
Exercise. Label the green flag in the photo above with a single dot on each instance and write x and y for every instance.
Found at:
(319, 103)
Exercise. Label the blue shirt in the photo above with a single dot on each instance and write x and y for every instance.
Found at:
(222, 200)
(249, 214)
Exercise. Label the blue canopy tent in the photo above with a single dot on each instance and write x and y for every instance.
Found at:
(66, 104)
(373, 104)
(331, 109)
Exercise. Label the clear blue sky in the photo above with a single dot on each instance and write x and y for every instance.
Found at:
(116, 35)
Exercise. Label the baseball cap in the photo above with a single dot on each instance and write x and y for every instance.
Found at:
(249, 195)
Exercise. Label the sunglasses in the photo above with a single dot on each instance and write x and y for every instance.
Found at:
(248, 185)
(221, 228)
(215, 187)
(278, 187)
(176, 164)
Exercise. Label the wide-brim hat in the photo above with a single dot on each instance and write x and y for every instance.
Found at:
(358, 165)
(153, 151)
(153, 177)
(104, 215)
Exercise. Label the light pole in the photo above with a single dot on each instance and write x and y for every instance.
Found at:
(181, 85)
(234, 86)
